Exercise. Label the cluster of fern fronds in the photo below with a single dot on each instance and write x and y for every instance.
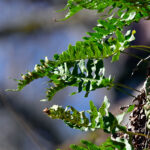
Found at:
(81, 66)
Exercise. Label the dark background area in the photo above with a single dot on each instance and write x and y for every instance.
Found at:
(28, 33)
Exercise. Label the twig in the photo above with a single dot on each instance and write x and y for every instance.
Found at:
(139, 46)
(127, 87)
(124, 92)
(133, 55)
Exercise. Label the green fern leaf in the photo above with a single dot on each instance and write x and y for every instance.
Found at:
(92, 49)
(99, 119)
(87, 75)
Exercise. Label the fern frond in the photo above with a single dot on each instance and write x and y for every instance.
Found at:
(78, 120)
(124, 6)
(40, 71)
(87, 75)
(99, 119)
(108, 40)
(98, 50)
(109, 144)
(73, 57)
(128, 12)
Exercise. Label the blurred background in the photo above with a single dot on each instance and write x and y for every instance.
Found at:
(29, 32)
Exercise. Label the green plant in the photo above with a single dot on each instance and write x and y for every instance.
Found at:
(82, 66)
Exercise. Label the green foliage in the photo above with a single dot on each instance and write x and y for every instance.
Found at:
(82, 66)
(95, 48)
(109, 144)
(127, 12)
(125, 7)
(99, 119)
(106, 41)
(75, 119)
(86, 76)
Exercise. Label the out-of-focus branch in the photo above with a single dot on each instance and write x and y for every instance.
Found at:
(27, 128)
(43, 20)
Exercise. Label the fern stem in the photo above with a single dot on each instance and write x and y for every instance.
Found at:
(119, 89)
(130, 54)
(142, 49)
(140, 46)
(136, 133)
(127, 87)
(133, 133)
